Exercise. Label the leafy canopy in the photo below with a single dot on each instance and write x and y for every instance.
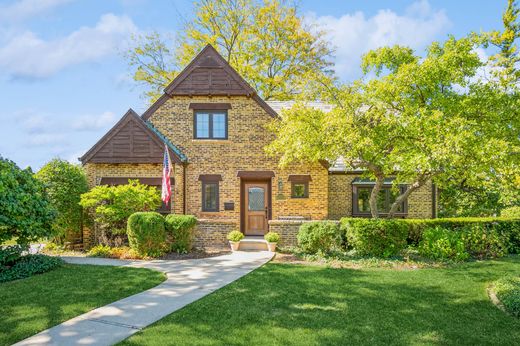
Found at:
(25, 210)
(64, 183)
(266, 41)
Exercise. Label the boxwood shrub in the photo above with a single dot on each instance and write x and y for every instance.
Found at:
(375, 237)
(179, 229)
(146, 233)
(319, 236)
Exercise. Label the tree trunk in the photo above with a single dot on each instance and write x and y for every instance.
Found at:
(380, 179)
(404, 196)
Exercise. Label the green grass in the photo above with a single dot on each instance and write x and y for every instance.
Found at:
(31, 305)
(285, 304)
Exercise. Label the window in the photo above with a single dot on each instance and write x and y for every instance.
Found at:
(385, 199)
(210, 191)
(210, 125)
(299, 185)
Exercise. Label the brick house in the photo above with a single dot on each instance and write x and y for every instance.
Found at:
(214, 126)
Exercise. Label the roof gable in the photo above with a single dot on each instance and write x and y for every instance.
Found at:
(129, 141)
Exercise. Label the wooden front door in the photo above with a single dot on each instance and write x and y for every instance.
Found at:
(256, 208)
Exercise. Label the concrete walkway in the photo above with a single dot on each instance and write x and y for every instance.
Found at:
(187, 281)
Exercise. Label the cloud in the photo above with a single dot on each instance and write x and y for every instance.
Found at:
(24, 9)
(355, 34)
(28, 56)
(94, 122)
(45, 139)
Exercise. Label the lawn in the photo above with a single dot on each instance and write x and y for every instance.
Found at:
(31, 305)
(287, 304)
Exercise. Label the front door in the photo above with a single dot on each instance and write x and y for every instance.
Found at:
(256, 208)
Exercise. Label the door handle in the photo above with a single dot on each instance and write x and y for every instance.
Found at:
(266, 213)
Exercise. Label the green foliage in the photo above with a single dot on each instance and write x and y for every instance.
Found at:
(319, 236)
(180, 229)
(112, 205)
(507, 291)
(64, 183)
(26, 211)
(272, 237)
(267, 42)
(146, 233)
(235, 236)
(375, 237)
(483, 242)
(10, 254)
(100, 250)
(29, 265)
(443, 244)
(511, 212)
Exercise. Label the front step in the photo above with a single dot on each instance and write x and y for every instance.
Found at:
(253, 244)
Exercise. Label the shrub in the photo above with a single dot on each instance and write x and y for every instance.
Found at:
(319, 236)
(146, 233)
(235, 236)
(180, 230)
(482, 242)
(29, 265)
(9, 255)
(112, 205)
(443, 244)
(375, 237)
(100, 250)
(511, 212)
(507, 291)
(272, 237)
(26, 213)
(64, 183)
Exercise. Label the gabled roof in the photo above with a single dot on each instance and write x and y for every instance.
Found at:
(208, 74)
(131, 140)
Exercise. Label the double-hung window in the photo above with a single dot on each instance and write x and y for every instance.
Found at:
(210, 192)
(210, 125)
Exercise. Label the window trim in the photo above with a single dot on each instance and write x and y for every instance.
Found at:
(385, 187)
(203, 206)
(210, 113)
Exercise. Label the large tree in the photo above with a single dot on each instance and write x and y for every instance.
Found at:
(266, 41)
(415, 118)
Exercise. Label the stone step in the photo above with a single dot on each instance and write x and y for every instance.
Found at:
(253, 244)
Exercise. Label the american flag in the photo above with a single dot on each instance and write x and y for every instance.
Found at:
(166, 191)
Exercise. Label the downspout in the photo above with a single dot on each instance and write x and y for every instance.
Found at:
(184, 165)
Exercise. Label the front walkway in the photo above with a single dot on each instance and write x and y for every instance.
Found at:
(187, 281)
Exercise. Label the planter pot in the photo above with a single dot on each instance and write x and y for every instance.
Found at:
(234, 245)
(271, 246)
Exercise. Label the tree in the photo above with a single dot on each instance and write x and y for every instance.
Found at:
(418, 119)
(267, 42)
(112, 205)
(25, 211)
(64, 183)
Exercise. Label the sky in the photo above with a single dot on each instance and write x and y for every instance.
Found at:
(64, 80)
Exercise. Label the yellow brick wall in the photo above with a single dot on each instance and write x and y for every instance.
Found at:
(243, 150)
(340, 198)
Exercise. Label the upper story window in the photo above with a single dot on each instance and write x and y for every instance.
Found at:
(210, 125)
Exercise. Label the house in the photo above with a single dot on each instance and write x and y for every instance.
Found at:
(214, 126)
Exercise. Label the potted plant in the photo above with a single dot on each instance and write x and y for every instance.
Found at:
(234, 238)
(272, 238)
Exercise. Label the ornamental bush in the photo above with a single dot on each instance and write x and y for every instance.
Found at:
(179, 229)
(511, 212)
(375, 237)
(507, 291)
(100, 250)
(443, 244)
(235, 236)
(319, 236)
(64, 183)
(483, 242)
(29, 265)
(111, 207)
(26, 213)
(146, 233)
(272, 237)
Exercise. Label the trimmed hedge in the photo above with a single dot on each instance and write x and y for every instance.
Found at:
(29, 265)
(442, 244)
(146, 233)
(375, 237)
(511, 212)
(319, 236)
(179, 228)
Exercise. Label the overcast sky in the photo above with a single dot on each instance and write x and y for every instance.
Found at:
(64, 81)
